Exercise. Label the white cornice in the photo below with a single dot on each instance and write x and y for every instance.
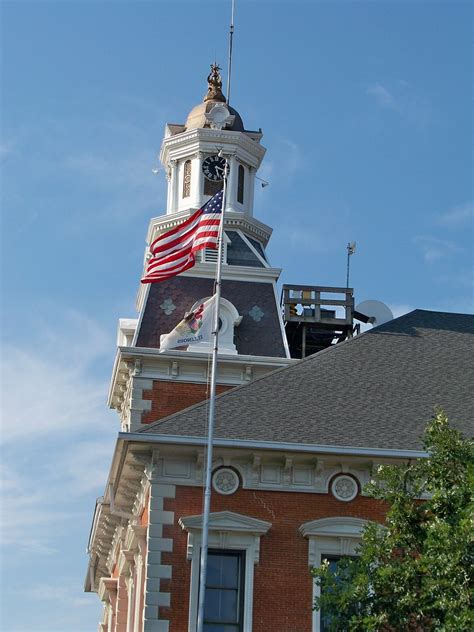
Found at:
(155, 364)
(206, 140)
(236, 273)
(307, 448)
(232, 220)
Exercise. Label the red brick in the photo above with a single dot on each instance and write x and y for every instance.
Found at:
(170, 397)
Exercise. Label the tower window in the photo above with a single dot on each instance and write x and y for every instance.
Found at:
(187, 179)
(240, 185)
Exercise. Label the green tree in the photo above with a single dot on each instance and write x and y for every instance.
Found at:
(415, 573)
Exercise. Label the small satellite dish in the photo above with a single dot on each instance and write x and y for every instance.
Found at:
(377, 312)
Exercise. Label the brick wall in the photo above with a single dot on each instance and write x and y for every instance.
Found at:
(170, 397)
(283, 585)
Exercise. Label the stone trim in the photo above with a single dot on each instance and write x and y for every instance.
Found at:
(227, 530)
(330, 536)
(276, 472)
(156, 545)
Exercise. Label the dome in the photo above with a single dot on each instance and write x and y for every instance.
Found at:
(198, 117)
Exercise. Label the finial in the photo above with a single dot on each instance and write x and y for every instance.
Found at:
(214, 85)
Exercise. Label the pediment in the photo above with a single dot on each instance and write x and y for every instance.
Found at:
(341, 526)
(226, 521)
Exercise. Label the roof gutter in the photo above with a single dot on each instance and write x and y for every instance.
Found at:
(142, 437)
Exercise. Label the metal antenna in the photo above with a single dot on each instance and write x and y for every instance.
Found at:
(231, 35)
(351, 248)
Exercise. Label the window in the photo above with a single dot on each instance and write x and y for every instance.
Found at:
(325, 619)
(331, 539)
(223, 604)
(240, 185)
(187, 179)
(234, 549)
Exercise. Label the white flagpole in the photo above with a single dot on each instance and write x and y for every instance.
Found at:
(212, 406)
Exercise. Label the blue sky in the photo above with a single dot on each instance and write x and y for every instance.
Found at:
(366, 109)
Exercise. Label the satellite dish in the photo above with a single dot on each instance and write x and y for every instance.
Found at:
(377, 312)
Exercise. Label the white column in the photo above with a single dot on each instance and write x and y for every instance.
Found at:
(129, 581)
(231, 189)
(197, 181)
(250, 191)
(173, 188)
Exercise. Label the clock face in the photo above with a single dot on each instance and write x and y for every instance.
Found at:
(213, 168)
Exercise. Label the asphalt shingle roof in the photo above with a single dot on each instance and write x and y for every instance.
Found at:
(377, 390)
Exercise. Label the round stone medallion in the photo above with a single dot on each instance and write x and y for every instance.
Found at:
(225, 481)
(344, 488)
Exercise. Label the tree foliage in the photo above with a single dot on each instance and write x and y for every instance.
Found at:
(415, 573)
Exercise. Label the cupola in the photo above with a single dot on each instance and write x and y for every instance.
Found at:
(214, 112)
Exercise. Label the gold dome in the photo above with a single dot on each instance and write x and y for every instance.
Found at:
(197, 117)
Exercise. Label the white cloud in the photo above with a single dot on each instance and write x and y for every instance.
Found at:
(383, 97)
(458, 216)
(50, 385)
(402, 98)
(57, 433)
(434, 249)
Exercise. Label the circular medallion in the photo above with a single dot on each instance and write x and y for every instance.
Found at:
(213, 168)
(225, 481)
(344, 488)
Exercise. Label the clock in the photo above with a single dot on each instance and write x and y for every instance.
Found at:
(213, 168)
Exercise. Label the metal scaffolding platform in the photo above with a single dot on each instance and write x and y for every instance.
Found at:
(316, 317)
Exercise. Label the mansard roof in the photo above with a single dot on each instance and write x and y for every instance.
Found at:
(377, 390)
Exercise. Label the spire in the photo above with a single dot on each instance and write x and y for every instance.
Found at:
(214, 85)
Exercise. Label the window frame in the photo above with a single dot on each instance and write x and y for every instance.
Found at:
(187, 179)
(240, 554)
(330, 537)
(227, 531)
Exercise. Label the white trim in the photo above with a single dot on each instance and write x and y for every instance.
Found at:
(227, 530)
(252, 248)
(282, 324)
(330, 536)
(142, 299)
(236, 273)
(338, 496)
(143, 437)
(231, 476)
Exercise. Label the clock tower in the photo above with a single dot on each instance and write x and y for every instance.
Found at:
(148, 383)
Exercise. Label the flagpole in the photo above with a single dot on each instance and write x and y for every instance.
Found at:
(211, 417)
(229, 66)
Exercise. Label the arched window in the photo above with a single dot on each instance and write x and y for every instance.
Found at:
(187, 179)
(240, 185)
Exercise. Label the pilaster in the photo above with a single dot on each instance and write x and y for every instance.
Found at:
(156, 545)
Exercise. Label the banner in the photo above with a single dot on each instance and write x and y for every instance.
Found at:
(196, 327)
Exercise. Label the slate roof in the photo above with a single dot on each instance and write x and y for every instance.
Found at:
(377, 390)
(263, 337)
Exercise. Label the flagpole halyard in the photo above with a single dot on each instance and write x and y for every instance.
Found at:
(211, 417)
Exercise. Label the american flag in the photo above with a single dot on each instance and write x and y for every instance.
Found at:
(173, 252)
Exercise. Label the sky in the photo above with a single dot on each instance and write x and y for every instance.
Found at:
(366, 110)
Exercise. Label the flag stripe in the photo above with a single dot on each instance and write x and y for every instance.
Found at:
(173, 252)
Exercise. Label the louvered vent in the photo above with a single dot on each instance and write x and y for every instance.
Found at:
(209, 255)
